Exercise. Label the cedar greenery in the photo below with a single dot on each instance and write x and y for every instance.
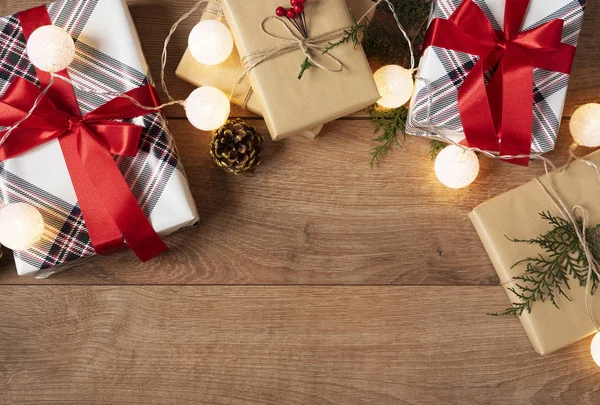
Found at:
(435, 147)
(547, 276)
(350, 35)
(384, 43)
(388, 123)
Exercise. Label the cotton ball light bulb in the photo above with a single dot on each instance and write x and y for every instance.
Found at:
(50, 48)
(395, 85)
(456, 167)
(595, 349)
(210, 42)
(585, 125)
(21, 226)
(207, 108)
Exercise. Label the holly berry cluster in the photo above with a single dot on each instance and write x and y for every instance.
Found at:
(295, 15)
(297, 8)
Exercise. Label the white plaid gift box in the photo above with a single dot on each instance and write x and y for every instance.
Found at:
(445, 70)
(108, 58)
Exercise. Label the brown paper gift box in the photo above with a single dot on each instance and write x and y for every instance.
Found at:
(289, 105)
(225, 75)
(516, 214)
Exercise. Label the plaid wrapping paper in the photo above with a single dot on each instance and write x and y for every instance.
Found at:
(108, 58)
(446, 70)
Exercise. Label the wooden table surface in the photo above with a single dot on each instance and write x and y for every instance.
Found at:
(315, 281)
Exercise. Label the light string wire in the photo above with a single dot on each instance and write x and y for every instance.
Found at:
(163, 62)
(37, 101)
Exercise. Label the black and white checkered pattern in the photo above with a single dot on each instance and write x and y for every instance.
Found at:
(147, 174)
(444, 114)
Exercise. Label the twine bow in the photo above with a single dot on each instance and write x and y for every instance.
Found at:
(292, 43)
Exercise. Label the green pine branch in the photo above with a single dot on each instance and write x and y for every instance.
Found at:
(387, 123)
(547, 276)
(435, 147)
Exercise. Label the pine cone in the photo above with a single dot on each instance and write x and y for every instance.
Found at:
(236, 147)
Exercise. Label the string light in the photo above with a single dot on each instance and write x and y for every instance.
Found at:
(395, 85)
(456, 167)
(21, 226)
(210, 42)
(595, 349)
(585, 125)
(207, 108)
(50, 48)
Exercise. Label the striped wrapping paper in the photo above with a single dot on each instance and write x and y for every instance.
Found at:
(108, 58)
(446, 70)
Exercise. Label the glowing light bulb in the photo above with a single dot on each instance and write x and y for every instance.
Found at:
(207, 108)
(595, 349)
(456, 167)
(210, 42)
(50, 48)
(585, 125)
(395, 85)
(21, 226)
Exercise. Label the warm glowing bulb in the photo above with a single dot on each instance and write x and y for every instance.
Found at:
(585, 125)
(595, 349)
(210, 42)
(456, 167)
(50, 48)
(21, 226)
(395, 85)
(207, 108)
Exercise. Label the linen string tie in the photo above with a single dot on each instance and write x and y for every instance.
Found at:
(317, 43)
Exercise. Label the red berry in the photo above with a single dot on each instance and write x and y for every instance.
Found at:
(294, 2)
(290, 13)
(299, 8)
(280, 11)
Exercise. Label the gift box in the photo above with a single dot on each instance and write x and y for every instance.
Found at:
(291, 106)
(108, 58)
(225, 75)
(448, 62)
(516, 215)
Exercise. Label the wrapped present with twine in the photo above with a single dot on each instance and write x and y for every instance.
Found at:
(225, 75)
(507, 225)
(339, 83)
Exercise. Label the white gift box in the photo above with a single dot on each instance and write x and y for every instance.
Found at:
(108, 57)
(446, 69)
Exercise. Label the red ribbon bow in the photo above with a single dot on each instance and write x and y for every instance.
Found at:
(500, 117)
(88, 143)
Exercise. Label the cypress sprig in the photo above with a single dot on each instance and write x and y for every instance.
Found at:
(547, 276)
(388, 124)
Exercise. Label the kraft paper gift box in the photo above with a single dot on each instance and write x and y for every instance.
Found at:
(446, 69)
(291, 106)
(225, 75)
(516, 214)
(108, 57)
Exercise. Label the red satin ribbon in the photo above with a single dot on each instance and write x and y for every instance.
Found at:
(500, 117)
(88, 143)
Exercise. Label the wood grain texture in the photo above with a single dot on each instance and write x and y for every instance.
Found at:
(316, 213)
(277, 345)
(392, 310)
